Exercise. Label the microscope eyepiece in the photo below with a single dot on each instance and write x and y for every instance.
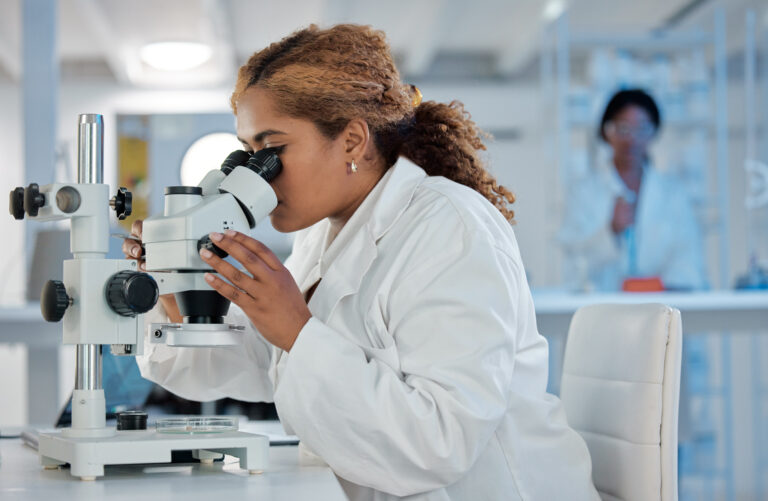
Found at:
(266, 163)
(235, 159)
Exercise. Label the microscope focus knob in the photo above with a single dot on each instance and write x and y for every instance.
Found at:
(16, 205)
(130, 293)
(33, 199)
(54, 300)
(207, 243)
(122, 202)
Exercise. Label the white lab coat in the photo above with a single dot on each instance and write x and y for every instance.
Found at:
(421, 372)
(668, 242)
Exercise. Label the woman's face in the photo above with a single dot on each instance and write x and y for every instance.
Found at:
(630, 131)
(314, 183)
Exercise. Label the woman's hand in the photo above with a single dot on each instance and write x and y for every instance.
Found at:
(267, 293)
(623, 215)
(133, 250)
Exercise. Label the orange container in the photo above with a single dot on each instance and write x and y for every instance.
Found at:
(642, 284)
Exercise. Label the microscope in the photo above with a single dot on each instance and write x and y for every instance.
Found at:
(103, 301)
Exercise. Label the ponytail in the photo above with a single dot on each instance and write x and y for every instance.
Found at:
(444, 141)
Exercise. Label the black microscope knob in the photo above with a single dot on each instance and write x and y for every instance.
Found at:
(207, 243)
(16, 205)
(131, 420)
(130, 293)
(54, 300)
(122, 202)
(33, 199)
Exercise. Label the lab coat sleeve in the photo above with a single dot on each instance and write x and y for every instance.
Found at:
(422, 426)
(206, 374)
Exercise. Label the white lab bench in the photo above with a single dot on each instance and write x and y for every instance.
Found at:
(725, 311)
(22, 477)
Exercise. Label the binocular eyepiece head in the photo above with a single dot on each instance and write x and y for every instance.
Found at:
(266, 163)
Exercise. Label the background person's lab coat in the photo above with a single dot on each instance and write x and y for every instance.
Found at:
(667, 240)
(421, 370)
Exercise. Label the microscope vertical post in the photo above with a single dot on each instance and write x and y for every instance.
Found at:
(90, 169)
(89, 241)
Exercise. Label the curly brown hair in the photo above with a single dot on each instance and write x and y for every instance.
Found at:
(330, 76)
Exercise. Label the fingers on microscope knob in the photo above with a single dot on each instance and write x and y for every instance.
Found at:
(206, 243)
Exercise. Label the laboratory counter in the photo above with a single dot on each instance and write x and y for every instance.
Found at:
(22, 477)
(717, 310)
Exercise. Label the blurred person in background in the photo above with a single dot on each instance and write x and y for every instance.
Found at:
(628, 222)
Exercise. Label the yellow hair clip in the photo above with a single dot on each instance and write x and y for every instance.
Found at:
(417, 96)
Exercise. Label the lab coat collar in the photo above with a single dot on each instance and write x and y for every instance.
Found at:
(350, 255)
(395, 197)
(617, 185)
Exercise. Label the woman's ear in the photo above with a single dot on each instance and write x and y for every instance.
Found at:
(356, 137)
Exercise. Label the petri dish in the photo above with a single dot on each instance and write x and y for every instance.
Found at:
(196, 424)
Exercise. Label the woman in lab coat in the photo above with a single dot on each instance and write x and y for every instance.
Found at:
(628, 219)
(399, 340)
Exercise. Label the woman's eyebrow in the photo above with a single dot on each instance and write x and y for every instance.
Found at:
(261, 135)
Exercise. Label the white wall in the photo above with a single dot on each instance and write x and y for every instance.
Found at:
(13, 278)
(13, 358)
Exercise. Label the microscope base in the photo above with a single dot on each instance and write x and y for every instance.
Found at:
(88, 456)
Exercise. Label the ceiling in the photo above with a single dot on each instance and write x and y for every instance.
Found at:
(99, 39)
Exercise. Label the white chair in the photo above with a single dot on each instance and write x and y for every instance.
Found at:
(621, 389)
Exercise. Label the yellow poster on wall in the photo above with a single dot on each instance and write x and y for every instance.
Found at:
(133, 173)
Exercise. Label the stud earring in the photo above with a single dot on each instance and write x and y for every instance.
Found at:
(351, 167)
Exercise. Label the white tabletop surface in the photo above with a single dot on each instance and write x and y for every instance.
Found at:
(709, 311)
(555, 301)
(22, 477)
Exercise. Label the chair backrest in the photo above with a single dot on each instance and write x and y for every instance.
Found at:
(620, 390)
